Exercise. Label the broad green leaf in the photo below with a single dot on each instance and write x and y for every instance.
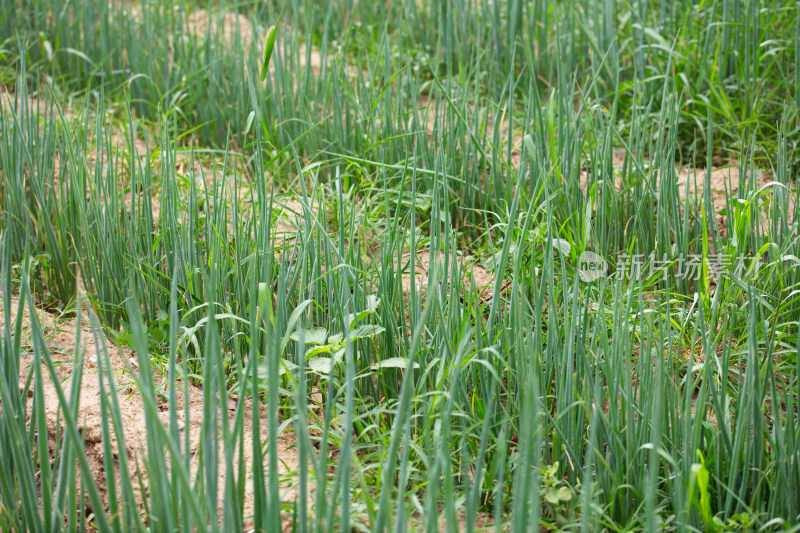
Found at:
(292, 322)
(365, 331)
(565, 247)
(250, 118)
(372, 305)
(312, 336)
(327, 348)
(285, 366)
(321, 365)
(528, 142)
(564, 494)
(392, 362)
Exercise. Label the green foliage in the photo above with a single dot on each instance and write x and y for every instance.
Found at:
(247, 209)
(268, 48)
